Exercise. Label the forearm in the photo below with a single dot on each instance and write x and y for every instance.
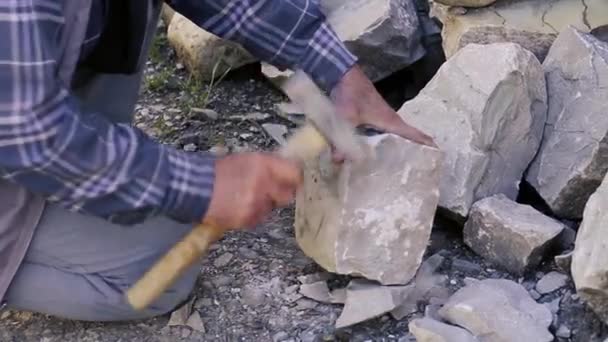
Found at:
(288, 34)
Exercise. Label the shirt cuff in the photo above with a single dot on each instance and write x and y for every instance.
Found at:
(326, 58)
(191, 179)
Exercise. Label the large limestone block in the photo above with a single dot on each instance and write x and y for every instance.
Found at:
(383, 34)
(372, 219)
(202, 52)
(532, 23)
(510, 234)
(589, 266)
(573, 158)
(485, 108)
(498, 310)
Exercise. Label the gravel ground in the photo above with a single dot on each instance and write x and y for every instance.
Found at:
(248, 287)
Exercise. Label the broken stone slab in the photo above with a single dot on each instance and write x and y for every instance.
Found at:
(320, 292)
(498, 310)
(430, 330)
(589, 266)
(372, 219)
(572, 160)
(383, 34)
(551, 281)
(487, 117)
(366, 300)
(532, 24)
(512, 235)
(204, 54)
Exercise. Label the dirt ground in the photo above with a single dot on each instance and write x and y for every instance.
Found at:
(248, 286)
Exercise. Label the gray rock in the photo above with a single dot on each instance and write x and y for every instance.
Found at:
(487, 117)
(563, 332)
(534, 294)
(252, 296)
(430, 330)
(383, 34)
(207, 113)
(564, 262)
(532, 24)
(572, 160)
(195, 322)
(510, 234)
(372, 219)
(314, 277)
(466, 266)
(589, 266)
(223, 260)
(498, 310)
(466, 3)
(550, 282)
(317, 291)
(276, 132)
(366, 300)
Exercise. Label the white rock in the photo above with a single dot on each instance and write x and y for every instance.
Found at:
(550, 282)
(572, 160)
(372, 219)
(589, 266)
(487, 117)
(498, 310)
(366, 300)
(383, 34)
(430, 330)
(533, 24)
(510, 234)
(201, 52)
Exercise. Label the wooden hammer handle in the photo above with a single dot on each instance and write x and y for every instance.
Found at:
(306, 143)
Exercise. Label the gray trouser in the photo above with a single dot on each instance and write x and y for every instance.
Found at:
(78, 267)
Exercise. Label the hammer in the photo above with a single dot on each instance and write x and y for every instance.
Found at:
(323, 126)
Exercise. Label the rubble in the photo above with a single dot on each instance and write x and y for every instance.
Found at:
(572, 160)
(487, 117)
(589, 267)
(205, 55)
(366, 300)
(532, 24)
(498, 310)
(277, 132)
(550, 282)
(429, 330)
(383, 34)
(372, 219)
(509, 234)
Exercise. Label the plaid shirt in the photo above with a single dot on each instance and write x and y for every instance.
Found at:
(115, 171)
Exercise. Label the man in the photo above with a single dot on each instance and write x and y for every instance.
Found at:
(87, 202)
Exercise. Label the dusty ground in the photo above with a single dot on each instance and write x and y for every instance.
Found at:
(248, 288)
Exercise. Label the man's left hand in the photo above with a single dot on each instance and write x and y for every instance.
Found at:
(356, 99)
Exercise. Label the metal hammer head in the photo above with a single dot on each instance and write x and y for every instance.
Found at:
(320, 111)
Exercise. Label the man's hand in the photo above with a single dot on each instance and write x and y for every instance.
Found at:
(248, 186)
(356, 98)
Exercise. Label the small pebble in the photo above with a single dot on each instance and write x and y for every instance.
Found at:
(223, 260)
(466, 266)
(534, 294)
(551, 282)
(563, 332)
(190, 148)
(280, 336)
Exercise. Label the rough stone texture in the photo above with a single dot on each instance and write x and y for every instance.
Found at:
(510, 234)
(430, 330)
(167, 14)
(373, 219)
(202, 52)
(550, 282)
(498, 310)
(589, 266)
(486, 116)
(383, 34)
(573, 158)
(531, 23)
(366, 300)
(466, 3)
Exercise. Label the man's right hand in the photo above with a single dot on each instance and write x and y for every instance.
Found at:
(248, 186)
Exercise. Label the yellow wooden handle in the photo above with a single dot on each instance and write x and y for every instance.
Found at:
(172, 265)
(306, 143)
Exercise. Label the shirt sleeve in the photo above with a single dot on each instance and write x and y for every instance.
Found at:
(76, 158)
(289, 34)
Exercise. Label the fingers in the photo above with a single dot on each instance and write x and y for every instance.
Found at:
(285, 172)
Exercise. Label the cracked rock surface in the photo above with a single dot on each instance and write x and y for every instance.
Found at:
(531, 23)
(573, 157)
(487, 117)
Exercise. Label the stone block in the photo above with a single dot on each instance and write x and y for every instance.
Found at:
(531, 23)
(512, 235)
(487, 117)
(372, 219)
(573, 157)
(429, 330)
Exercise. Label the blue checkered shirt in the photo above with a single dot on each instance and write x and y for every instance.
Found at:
(89, 165)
